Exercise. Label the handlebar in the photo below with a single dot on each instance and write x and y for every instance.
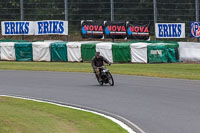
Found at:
(104, 65)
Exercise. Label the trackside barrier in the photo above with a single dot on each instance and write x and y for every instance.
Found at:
(163, 52)
(23, 51)
(41, 51)
(58, 51)
(135, 52)
(139, 52)
(7, 51)
(189, 51)
(88, 51)
(105, 49)
(121, 52)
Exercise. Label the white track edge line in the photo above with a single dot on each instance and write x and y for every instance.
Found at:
(100, 114)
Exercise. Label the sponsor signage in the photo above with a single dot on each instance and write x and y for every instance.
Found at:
(47, 27)
(17, 27)
(138, 31)
(156, 52)
(92, 29)
(115, 30)
(195, 29)
(170, 30)
(56, 27)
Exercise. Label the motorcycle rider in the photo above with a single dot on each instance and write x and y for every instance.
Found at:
(98, 63)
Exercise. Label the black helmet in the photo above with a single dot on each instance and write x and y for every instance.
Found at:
(97, 53)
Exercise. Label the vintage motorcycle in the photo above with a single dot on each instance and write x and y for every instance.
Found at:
(106, 76)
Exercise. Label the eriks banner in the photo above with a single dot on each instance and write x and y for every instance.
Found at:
(55, 27)
(47, 27)
(170, 30)
(17, 27)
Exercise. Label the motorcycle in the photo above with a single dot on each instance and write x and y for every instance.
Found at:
(106, 77)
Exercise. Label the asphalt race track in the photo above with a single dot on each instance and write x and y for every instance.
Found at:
(156, 105)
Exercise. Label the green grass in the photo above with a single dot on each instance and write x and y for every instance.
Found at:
(25, 116)
(169, 70)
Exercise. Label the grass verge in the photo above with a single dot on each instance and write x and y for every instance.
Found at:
(171, 70)
(25, 116)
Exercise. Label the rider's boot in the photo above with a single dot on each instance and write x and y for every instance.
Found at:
(100, 79)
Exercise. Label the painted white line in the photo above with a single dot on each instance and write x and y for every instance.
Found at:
(108, 117)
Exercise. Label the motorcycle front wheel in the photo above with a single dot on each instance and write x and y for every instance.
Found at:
(110, 79)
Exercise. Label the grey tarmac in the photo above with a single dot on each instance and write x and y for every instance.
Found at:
(156, 105)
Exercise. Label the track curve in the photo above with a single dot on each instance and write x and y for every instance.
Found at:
(156, 105)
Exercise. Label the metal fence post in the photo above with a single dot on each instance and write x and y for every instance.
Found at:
(22, 13)
(66, 16)
(197, 13)
(112, 12)
(155, 15)
(22, 10)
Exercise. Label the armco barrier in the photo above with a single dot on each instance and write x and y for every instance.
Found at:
(24, 51)
(139, 52)
(163, 52)
(88, 51)
(7, 51)
(58, 51)
(41, 51)
(121, 52)
(105, 48)
(189, 51)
